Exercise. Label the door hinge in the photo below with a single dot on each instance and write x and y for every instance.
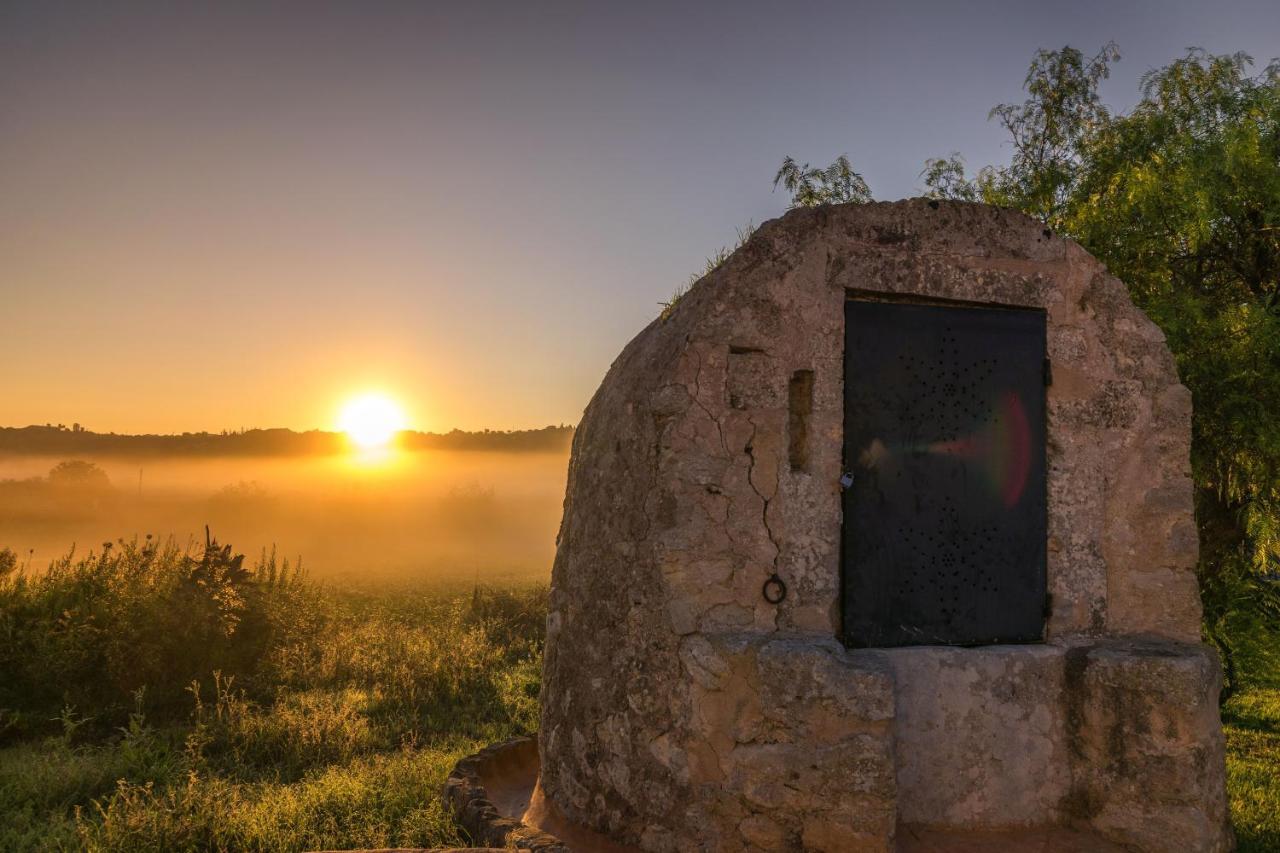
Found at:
(1048, 372)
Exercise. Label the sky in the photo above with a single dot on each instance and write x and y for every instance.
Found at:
(235, 215)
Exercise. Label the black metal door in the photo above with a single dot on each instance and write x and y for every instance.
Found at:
(944, 520)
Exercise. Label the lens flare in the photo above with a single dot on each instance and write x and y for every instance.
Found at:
(1003, 447)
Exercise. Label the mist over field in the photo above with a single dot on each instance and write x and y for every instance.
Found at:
(409, 515)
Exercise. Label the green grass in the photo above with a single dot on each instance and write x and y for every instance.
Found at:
(155, 700)
(1252, 722)
(265, 713)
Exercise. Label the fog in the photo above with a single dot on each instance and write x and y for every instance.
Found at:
(421, 515)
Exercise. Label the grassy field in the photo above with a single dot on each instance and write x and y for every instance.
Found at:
(156, 700)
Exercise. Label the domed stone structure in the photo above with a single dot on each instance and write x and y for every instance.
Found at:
(886, 529)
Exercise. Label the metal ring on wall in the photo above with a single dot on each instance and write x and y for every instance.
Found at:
(774, 590)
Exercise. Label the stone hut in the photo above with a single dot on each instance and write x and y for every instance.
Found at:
(886, 528)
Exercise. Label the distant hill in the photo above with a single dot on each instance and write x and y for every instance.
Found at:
(59, 440)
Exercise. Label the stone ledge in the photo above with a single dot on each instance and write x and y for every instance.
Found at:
(465, 794)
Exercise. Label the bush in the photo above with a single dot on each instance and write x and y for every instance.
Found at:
(138, 619)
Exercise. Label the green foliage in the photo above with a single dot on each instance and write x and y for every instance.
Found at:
(810, 186)
(325, 718)
(1181, 199)
(90, 633)
(945, 178)
(1048, 130)
(380, 801)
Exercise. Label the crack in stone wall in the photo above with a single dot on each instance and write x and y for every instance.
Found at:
(764, 511)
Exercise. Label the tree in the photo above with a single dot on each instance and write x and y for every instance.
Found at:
(945, 178)
(79, 475)
(810, 186)
(1180, 198)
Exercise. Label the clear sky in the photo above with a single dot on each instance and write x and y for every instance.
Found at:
(238, 214)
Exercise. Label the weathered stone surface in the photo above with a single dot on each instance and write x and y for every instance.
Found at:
(981, 735)
(677, 702)
(1146, 745)
(796, 732)
(1120, 735)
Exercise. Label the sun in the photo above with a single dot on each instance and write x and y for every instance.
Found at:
(371, 420)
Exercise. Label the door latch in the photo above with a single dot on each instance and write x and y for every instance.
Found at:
(846, 480)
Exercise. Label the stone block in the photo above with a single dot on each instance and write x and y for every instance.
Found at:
(1146, 745)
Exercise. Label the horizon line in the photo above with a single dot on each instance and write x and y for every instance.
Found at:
(77, 429)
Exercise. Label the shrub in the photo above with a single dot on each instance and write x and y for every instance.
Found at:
(91, 633)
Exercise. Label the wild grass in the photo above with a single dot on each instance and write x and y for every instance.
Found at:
(713, 263)
(1252, 723)
(153, 699)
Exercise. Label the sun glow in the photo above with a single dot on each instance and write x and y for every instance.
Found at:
(371, 420)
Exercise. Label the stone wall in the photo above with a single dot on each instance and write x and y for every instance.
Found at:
(674, 695)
